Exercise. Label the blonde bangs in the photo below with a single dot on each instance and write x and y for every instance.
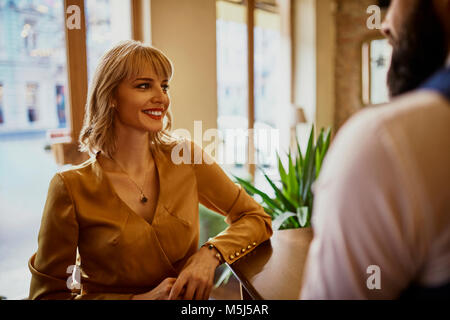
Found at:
(138, 60)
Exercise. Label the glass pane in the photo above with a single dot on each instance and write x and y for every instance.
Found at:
(31, 94)
(380, 57)
(232, 82)
(1, 104)
(107, 22)
(33, 82)
(268, 105)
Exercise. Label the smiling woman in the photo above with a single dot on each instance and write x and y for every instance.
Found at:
(130, 211)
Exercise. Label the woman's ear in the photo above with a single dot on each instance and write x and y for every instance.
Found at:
(113, 101)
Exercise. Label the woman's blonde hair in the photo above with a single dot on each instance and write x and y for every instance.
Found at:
(124, 61)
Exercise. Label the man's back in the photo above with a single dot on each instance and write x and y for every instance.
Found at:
(383, 200)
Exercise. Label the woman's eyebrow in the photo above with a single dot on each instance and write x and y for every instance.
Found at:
(144, 79)
(148, 79)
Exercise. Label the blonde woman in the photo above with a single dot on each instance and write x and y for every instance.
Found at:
(129, 211)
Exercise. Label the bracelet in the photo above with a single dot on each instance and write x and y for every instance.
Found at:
(217, 255)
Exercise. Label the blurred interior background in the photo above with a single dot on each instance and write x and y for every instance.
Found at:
(269, 65)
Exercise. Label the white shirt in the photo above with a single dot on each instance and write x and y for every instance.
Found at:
(383, 199)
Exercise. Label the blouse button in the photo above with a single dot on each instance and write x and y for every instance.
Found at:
(254, 243)
(243, 250)
(249, 247)
(231, 257)
(237, 254)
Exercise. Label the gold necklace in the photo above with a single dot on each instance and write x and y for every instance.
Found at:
(143, 198)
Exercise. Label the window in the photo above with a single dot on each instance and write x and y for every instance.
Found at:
(232, 82)
(61, 105)
(376, 62)
(31, 101)
(34, 71)
(32, 64)
(267, 86)
(33, 34)
(105, 25)
(235, 108)
(1, 104)
(29, 35)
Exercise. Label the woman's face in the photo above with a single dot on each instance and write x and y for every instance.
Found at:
(142, 102)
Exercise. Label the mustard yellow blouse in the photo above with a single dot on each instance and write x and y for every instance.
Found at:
(121, 253)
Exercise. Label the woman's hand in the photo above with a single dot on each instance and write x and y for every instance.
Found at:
(161, 292)
(197, 276)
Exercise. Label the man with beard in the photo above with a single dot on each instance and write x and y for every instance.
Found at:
(382, 203)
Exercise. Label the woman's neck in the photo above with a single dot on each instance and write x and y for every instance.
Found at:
(132, 150)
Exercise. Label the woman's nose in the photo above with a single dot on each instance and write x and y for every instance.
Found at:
(158, 96)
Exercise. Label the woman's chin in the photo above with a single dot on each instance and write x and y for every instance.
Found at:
(154, 128)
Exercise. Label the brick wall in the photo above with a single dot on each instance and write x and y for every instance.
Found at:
(351, 32)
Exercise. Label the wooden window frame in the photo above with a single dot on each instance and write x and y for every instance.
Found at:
(251, 84)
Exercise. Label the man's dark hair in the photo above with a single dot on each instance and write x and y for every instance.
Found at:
(419, 51)
(383, 4)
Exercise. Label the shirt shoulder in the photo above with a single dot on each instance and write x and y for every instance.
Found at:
(408, 111)
(86, 174)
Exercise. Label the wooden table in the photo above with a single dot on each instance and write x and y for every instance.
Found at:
(273, 271)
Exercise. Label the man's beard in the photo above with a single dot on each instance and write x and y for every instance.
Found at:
(420, 51)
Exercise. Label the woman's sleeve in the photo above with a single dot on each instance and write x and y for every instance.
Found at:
(57, 248)
(57, 245)
(248, 224)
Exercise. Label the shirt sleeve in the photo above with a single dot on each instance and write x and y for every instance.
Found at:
(248, 224)
(57, 247)
(362, 241)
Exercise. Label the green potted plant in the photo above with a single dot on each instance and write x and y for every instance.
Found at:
(292, 206)
(293, 203)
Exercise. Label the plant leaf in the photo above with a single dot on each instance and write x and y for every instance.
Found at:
(317, 152)
(293, 182)
(282, 171)
(302, 215)
(264, 196)
(308, 169)
(324, 150)
(285, 201)
(276, 224)
(300, 156)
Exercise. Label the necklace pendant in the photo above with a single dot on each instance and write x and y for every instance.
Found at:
(143, 199)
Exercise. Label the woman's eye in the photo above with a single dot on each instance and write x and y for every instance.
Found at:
(143, 86)
(165, 88)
